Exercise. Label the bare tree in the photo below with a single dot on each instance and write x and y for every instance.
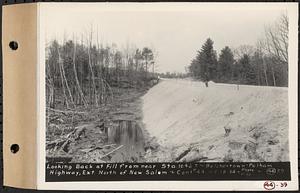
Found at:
(94, 91)
(259, 49)
(76, 77)
(240, 51)
(277, 39)
(276, 45)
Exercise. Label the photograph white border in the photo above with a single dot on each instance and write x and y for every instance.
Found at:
(292, 9)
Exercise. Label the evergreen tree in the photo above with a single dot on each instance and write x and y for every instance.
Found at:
(246, 71)
(194, 68)
(148, 57)
(204, 66)
(225, 65)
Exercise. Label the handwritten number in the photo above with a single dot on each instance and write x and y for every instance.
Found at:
(283, 184)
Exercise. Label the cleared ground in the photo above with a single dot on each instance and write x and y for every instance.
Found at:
(175, 120)
(218, 123)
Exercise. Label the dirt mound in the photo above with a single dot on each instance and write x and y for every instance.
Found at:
(220, 122)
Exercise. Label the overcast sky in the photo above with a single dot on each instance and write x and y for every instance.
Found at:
(176, 31)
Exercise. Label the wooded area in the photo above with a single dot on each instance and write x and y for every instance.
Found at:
(84, 74)
(264, 64)
(90, 89)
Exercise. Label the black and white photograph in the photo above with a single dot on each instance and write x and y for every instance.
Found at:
(166, 84)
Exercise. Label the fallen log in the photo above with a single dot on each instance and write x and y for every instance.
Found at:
(183, 154)
(65, 111)
(111, 151)
(64, 143)
(55, 143)
(79, 132)
(95, 148)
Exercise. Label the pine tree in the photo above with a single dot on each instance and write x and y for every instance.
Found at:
(225, 65)
(148, 57)
(205, 64)
(246, 71)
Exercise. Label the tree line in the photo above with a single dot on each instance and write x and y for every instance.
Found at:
(264, 64)
(84, 73)
(173, 75)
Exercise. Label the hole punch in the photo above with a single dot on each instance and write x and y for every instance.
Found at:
(14, 148)
(13, 45)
